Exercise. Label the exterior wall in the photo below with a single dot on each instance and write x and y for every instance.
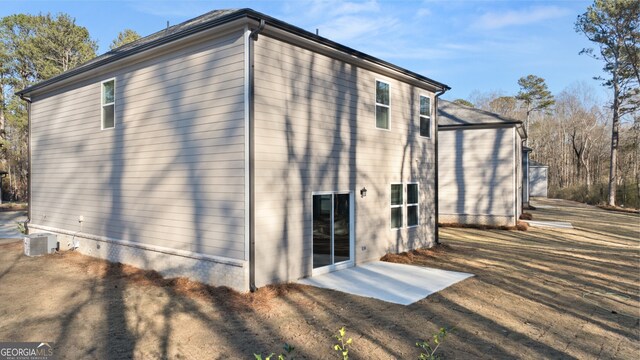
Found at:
(521, 168)
(169, 177)
(477, 176)
(525, 179)
(538, 180)
(315, 131)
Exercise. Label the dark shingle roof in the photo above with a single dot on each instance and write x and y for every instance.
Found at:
(452, 114)
(207, 21)
(204, 18)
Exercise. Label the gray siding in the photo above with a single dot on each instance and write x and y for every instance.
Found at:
(477, 173)
(315, 131)
(171, 172)
(538, 180)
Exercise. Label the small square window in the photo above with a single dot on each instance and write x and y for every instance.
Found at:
(382, 105)
(108, 104)
(396, 217)
(396, 194)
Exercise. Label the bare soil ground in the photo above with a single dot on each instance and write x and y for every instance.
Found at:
(542, 293)
(13, 207)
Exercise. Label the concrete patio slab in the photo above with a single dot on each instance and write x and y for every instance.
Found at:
(390, 282)
(550, 224)
(544, 206)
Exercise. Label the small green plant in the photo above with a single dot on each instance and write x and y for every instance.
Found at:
(288, 349)
(268, 357)
(343, 344)
(428, 351)
(21, 227)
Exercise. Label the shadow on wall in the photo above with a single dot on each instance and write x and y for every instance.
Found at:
(476, 181)
(185, 165)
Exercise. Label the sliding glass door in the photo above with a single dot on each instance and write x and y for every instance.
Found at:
(332, 231)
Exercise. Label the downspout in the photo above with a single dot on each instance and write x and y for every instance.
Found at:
(252, 224)
(435, 141)
(28, 101)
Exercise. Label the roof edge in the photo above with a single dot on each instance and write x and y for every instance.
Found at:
(337, 46)
(481, 125)
(241, 13)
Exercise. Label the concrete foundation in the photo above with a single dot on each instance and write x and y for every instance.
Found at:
(168, 262)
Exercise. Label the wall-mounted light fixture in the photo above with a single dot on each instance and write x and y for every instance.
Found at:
(363, 192)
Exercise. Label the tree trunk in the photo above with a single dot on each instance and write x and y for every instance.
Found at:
(588, 173)
(615, 128)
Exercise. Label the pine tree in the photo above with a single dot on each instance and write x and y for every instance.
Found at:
(535, 95)
(613, 25)
(124, 37)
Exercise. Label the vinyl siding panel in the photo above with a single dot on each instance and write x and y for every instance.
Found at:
(171, 172)
(315, 131)
(476, 172)
(538, 180)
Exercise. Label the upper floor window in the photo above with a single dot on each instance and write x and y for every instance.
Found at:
(382, 105)
(108, 104)
(425, 116)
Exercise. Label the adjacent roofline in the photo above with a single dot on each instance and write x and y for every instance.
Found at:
(235, 15)
(462, 120)
(480, 125)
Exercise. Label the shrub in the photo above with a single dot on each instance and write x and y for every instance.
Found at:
(626, 195)
(428, 350)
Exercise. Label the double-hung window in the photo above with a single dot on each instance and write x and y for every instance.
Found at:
(108, 104)
(425, 116)
(397, 203)
(412, 204)
(399, 207)
(382, 105)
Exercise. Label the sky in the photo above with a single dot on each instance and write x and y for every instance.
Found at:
(470, 45)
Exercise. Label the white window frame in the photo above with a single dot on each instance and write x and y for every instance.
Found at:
(107, 104)
(343, 264)
(404, 206)
(417, 205)
(429, 117)
(388, 106)
(401, 206)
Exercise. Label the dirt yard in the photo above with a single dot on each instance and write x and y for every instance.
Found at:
(543, 293)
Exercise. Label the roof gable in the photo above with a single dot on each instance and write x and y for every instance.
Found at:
(452, 114)
(208, 21)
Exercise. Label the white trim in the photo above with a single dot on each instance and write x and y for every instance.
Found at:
(331, 268)
(416, 205)
(375, 99)
(343, 264)
(430, 116)
(102, 104)
(160, 249)
(247, 175)
(401, 206)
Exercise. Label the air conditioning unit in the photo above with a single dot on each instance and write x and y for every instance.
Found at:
(40, 244)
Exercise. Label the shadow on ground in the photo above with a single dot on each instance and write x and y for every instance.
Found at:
(543, 293)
